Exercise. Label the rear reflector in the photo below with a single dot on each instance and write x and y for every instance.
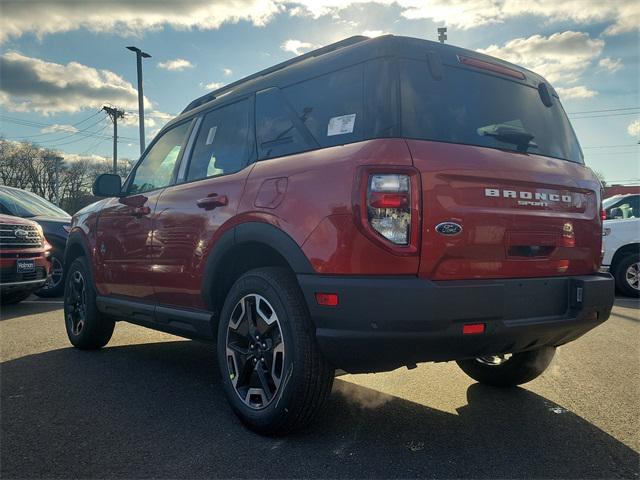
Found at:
(472, 328)
(327, 299)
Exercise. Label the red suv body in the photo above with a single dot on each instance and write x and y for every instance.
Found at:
(427, 203)
(24, 258)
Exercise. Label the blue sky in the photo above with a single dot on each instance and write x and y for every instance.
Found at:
(61, 60)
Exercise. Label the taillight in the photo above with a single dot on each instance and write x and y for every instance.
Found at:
(389, 206)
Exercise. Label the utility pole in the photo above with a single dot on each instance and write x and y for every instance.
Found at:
(114, 113)
(139, 56)
(442, 34)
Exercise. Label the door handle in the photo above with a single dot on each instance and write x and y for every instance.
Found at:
(141, 211)
(212, 201)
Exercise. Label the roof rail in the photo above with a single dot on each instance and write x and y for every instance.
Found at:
(315, 53)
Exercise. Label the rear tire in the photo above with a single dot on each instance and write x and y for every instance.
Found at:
(273, 373)
(626, 275)
(86, 328)
(518, 369)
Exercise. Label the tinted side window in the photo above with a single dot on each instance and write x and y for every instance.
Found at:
(156, 169)
(330, 106)
(278, 130)
(223, 144)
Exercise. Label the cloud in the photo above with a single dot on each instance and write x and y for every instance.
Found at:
(610, 64)
(621, 15)
(59, 128)
(176, 65)
(133, 18)
(634, 128)
(29, 84)
(212, 85)
(561, 57)
(579, 91)
(296, 46)
(227, 71)
(127, 18)
(374, 33)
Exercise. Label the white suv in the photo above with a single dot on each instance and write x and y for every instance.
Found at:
(622, 242)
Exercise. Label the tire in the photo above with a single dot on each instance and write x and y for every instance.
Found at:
(13, 298)
(55, 285)
(518, 369)
(86, 328)
(296, 379)
(626, 275)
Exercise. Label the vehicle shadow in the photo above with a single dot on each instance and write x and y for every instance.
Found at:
(29, 307)
(157, 411)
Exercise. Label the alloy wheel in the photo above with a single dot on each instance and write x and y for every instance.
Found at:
(56, 274)
(255, 351)
(632, 275)
(494, 360)
(76, 303)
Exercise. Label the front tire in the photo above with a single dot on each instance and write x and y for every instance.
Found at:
(504, 371)
(273, 373)
(627, 274)
(86, 328)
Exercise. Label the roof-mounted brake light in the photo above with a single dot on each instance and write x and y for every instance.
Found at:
(492, 67)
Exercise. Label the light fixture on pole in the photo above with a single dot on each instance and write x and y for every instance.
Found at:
(139, 56)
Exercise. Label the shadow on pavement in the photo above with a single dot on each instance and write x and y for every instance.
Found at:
(157, 411)
(30, 306)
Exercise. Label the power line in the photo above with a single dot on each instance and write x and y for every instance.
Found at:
(606, 115)
(602, 111)
(34, 124)
(635, 145)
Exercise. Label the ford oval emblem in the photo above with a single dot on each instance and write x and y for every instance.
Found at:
(448, 228)
(20, 233)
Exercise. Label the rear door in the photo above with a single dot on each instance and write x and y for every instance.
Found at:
(125, 227)
(188, 215)
(504, 190)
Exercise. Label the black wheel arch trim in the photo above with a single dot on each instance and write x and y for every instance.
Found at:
(253, 232)
(76, 238)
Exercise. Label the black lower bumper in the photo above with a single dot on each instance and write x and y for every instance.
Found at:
(382, 323)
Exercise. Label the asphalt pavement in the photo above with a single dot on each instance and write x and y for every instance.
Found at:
(150, 405)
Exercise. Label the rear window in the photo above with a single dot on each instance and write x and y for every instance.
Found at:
(468, 107)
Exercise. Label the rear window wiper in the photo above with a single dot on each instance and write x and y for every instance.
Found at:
(509, 134)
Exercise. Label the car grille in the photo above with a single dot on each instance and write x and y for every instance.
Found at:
(11, 276)
(20, 236)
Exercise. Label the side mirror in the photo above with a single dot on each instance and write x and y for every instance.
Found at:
(107, 185)
(616, 213)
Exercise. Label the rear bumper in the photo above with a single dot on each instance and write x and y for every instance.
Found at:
(382, 323)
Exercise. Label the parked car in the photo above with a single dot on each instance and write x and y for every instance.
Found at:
(24, 259)
(622, 242)
(55, 223)
(370, 205)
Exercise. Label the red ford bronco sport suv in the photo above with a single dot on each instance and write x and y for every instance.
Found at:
(370, 205)
(24, 259)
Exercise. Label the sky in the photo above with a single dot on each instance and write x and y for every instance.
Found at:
(62, 60)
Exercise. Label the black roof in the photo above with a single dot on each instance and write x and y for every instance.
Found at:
(339, 55)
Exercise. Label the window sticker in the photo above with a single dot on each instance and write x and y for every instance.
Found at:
(341, 125)
(211, 135)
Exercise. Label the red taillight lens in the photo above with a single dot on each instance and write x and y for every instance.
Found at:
(389, 206)
(603, 214)
(388, 200)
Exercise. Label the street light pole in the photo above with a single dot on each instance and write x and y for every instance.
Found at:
(139, 56)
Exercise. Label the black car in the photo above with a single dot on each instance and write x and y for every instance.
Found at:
(55, 223)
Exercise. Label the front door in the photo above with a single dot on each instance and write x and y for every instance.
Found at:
(125, 226)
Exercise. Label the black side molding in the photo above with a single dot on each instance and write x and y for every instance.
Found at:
(188, 323)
